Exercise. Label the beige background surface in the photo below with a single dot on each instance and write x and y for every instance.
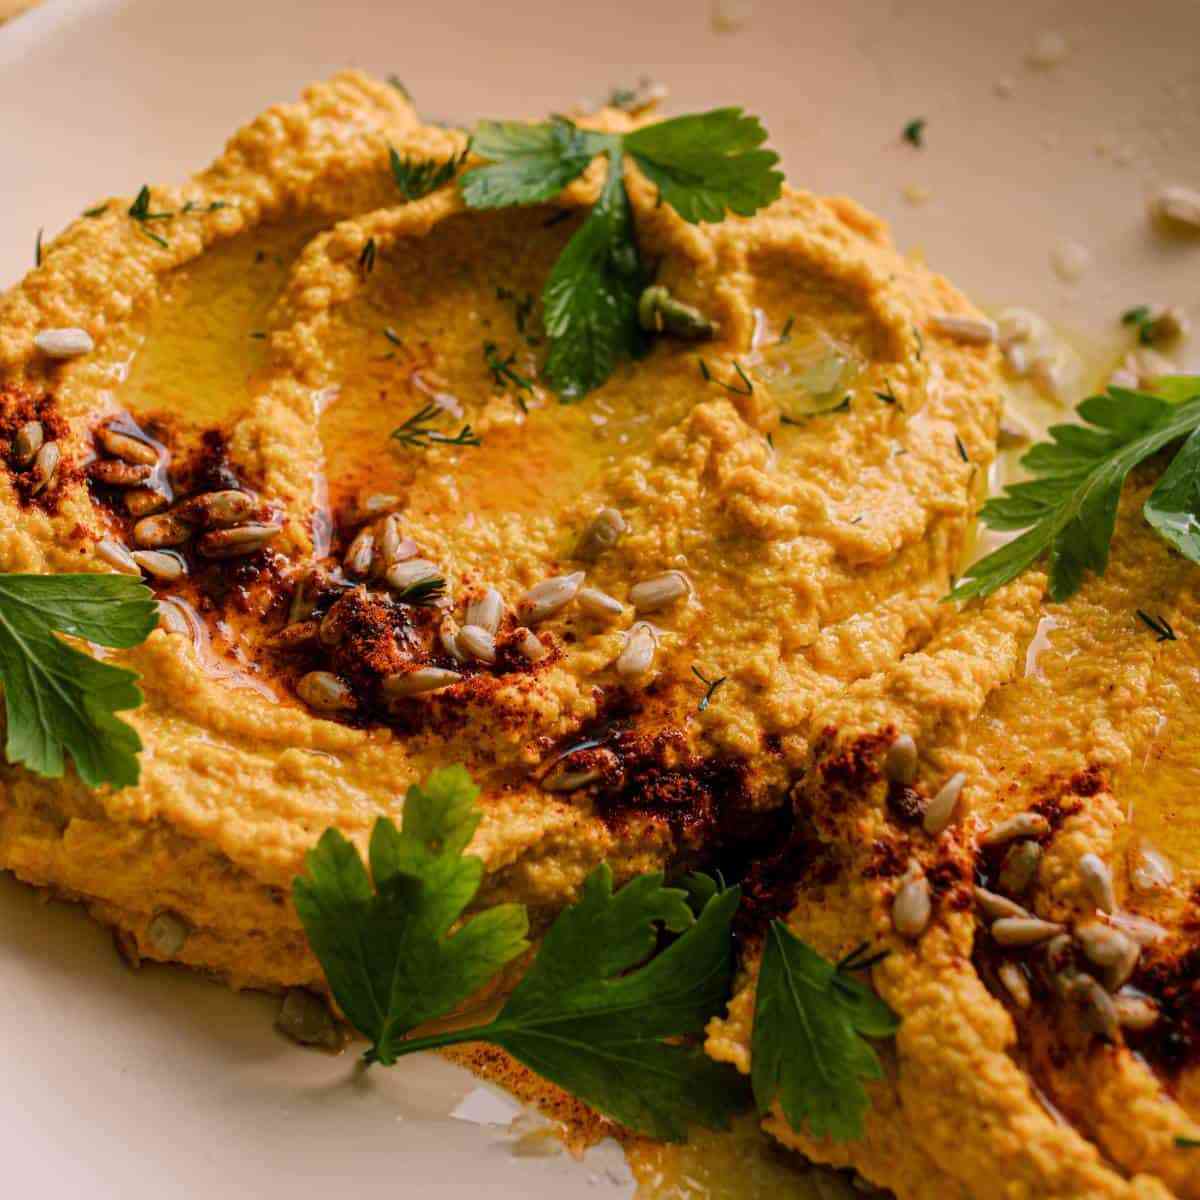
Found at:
(162, 1085)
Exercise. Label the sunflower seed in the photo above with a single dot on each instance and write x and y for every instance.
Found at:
(912, 906)
(235, 542)
(900, 762)
(638, 655)
(304, 1017)
(940, 812)
(1024, 931)
(1121, 971)
(652, 594)
(1150, 870)
(116, 555)
(530, 645)
(995, 906)
(130, 449)
(486, 610)
(167, 933)
(361, 553)
(299, 633)
(1178, 207)
(27, 442)
(215, 510)
(550, 596)
(325, 692)
(142, 501)
(1015, 325)
(114, 472)
(1097, 881)
(172, 619)
(602, 534)
(1015, 983)
(1019, 868)
(1023, 825)
(1143, 930)
(574, 771)
(476, 642)
(1101, 944)
(165, 529)
(64, 343)
(45, 466)
(161, 564)
(598, 605)
(304, 595)
(1096, 1010)
(404, 575)
(375, 506)
(415, 683)
(973, 331)
(1134, 1010)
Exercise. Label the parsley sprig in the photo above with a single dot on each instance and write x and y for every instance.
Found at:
(58, 700)
(417, 432)
(704, 165)
(594, 1012)
(1068, 509)
(809, 1049)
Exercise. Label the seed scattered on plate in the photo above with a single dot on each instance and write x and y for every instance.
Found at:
(1024, 931)
(598, 605)
(476, 642)
(973, 331)
(236, 541)
(530, 645)
(28, 442)
(1015, 983)
(129, 449)
(161, 564)
(418, 682)
(167, 933)
(653, 594)
(111, 551)
(900, 762)
(1019, 868)
(911, 906)
(304, 1017)
(994, 906)
(637, 657)
(325, 692)
(45, 467)
(1022, 825)
(1097, 881)
(939, 814)
(1178, 208)
(360, 553)
(64, 343)
(115, 472)
(603, 533)
(1149, 869)
(549, 597)
(486, 610)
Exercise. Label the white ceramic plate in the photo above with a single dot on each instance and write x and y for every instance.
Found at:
(160, 1084)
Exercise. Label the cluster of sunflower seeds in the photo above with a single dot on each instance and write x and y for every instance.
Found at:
(31, 449)
(900, 766)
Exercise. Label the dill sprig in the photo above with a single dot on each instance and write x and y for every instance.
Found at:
(418, 177)
(416, 431)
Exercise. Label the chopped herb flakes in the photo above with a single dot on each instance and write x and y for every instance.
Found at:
(711, 685)
(914, 132)
(417, 178)
(366, 260)
(1159, 625)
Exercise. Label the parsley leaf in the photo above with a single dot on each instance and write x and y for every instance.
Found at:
(58, 699)
(706, 163)
(388, 954)
(590, 301)
(807, 1049)
(1069, 508)
(703, 165)
(586, 1015)
(530, 164)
